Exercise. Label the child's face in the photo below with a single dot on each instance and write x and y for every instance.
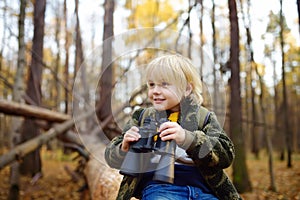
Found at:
(164, 96)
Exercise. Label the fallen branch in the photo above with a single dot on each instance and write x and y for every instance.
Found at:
(23, 149)
(13, 108)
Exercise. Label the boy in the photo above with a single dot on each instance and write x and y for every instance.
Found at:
(202, 148)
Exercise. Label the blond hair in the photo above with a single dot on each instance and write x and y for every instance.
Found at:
(178, 70)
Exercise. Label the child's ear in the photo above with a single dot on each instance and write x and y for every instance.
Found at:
(188, 90)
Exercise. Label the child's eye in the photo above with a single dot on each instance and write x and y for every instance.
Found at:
(165, 84)
(161, 85)
(151, 85)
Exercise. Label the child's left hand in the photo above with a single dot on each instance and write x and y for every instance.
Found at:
(172, 131)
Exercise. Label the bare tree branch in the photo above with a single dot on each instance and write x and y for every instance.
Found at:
(12, 108)
(29, 146)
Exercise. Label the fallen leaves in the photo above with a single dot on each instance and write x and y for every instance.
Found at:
(54, 183)
(57, 183)
(287, 180)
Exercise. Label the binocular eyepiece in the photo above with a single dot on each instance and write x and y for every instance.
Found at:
(138, 157)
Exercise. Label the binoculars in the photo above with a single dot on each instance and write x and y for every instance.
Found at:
(148, 147)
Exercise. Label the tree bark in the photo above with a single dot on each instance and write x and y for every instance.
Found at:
(201, 38)
(13, 108)
(18, 90)
(261, 103)
(288, 134)
(4, 30)
(56, 91)
(298, 8)
(252, 69)
(66, 70)
(106, 81)
(216, 102)
(32, 162)
(3, 92)
(103, 181)
(265, 132)
(240, 173)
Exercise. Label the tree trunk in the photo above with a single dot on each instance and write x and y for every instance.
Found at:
(32, 162)
(5, 17)
(201, 37)
(240, 173)
(288, 134)
(79, 54)
(5, 27)
(66, 71)
(106, 81)
(265, 132)
(56, 90)
(189, 48)
(216, 102)
(18, 91)
(103, 181)
(254, 117)
(251, 70)
(80, 65)
(298, 8)
(107, 72)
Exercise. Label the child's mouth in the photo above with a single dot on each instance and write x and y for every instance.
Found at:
(158, 100)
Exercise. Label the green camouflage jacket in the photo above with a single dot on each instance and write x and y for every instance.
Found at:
(208, 146)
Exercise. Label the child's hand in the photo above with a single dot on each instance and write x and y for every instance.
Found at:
(172, 131)
(131, 135)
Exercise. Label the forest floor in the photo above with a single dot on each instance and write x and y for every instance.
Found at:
(56, 182)
(287, 180)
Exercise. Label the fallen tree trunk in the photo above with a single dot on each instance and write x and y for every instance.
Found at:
(102, 180)
(23, 149)
(13, 108)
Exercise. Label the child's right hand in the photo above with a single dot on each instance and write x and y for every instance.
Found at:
(131, 135)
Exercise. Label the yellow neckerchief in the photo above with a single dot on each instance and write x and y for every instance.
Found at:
(174, 116)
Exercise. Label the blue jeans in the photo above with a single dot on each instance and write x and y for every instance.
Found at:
(174, 192)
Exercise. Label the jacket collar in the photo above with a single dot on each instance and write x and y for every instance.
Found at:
(188, 115)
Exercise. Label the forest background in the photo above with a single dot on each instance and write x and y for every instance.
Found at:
(71, 73)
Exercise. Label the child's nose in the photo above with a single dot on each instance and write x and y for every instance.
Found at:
(157, 89)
